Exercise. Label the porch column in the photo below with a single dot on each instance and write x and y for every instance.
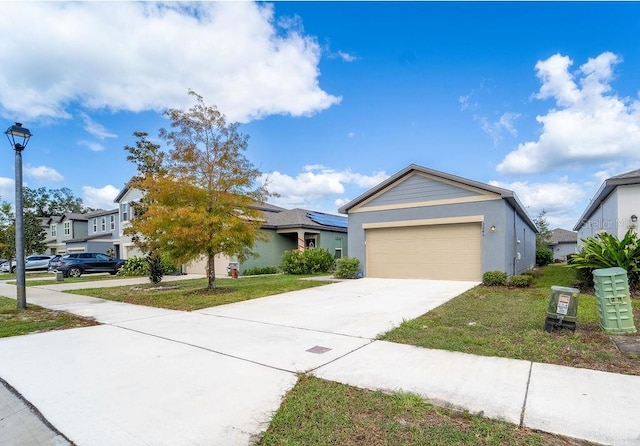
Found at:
(300, 241)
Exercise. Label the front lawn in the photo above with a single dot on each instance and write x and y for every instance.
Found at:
(191, 294)
(509, 322)
(14, 322)
(317, 412)
(84, 278)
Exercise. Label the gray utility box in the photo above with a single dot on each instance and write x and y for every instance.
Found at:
(563, 309)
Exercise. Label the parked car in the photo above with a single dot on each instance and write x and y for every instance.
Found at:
(31, 263)
(76, 264)
(54, 262)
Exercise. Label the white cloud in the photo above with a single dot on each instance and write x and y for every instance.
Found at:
(7, 190)
(316, 184)
(558, 199)
(43, 173)
(95, 129)
(101, 198)
(590, 124)
(346, 56)
(91, 145)
(496, 129)
(465, 102)
(146, 56)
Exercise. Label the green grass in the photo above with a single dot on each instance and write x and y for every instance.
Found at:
(83, 278)
(509, 322)
(317, 412)
(192, 294)
(28, 275)
(14, 322)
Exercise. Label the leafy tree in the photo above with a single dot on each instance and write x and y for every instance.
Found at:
(47, 202)
(7, 231)
(544, 255)
(149, 159)
(199, 201)
(33, 233)
(543, 237)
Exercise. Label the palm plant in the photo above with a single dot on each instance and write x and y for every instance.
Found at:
(606, 251)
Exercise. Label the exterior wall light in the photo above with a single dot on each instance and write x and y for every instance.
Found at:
(493, 228)
(634, 218)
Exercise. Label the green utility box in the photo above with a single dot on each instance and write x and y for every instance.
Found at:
(563, 309)
(614, 300)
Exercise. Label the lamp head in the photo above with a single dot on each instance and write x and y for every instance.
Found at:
(18, 136)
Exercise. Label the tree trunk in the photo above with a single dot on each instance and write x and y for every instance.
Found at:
(211, 268)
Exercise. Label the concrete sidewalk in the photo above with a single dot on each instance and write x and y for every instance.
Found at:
(215, 376)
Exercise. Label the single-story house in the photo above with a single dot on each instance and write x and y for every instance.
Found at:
(288, 229)
(298, 229)
(614, 208)
(563, 243)
(422, 223)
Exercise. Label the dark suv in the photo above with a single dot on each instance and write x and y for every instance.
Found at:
(76, 264)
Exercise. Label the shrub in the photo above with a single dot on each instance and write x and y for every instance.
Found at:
(544, 256)
(139, 266)
(260, 270)
(494, 278)
(309, 261)
(347, 268)
(521, 281)
(606, 251)
(134, 266)
(154, 267)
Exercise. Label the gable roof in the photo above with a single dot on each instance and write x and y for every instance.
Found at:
(607, 187)
(74, 216)
(506, 194)
(563, 236)
(101, 212)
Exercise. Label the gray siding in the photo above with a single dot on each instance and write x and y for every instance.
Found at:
(562, 250)
(417, 189)
(499, 248)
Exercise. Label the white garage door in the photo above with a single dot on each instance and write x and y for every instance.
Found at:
(449, 252)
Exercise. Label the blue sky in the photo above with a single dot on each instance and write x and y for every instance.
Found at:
(540, 98)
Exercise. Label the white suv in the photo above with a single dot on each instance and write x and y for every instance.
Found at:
(31, 263)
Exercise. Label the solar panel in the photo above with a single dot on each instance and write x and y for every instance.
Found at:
(328, 219)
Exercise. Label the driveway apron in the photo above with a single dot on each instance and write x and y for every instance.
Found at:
(215, 376)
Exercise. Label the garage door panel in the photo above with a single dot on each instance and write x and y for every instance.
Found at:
(451, 252)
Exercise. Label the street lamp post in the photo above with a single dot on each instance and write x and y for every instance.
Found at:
(18, 138)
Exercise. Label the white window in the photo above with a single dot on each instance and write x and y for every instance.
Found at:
(338, 248)
(124, 211)
(112, 222)
(95, 225)
(54, 229)
(67, 228)
(103, 224)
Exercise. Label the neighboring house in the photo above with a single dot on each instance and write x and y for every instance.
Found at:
(563, 243)
(65, 228)
(72, 232)
(102, 232)
(50, 227)
(422, 223)
(298, 229)
(123, 244)
(288, 229)
(614, 208)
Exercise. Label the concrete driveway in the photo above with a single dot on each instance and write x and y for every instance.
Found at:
(214, 376)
